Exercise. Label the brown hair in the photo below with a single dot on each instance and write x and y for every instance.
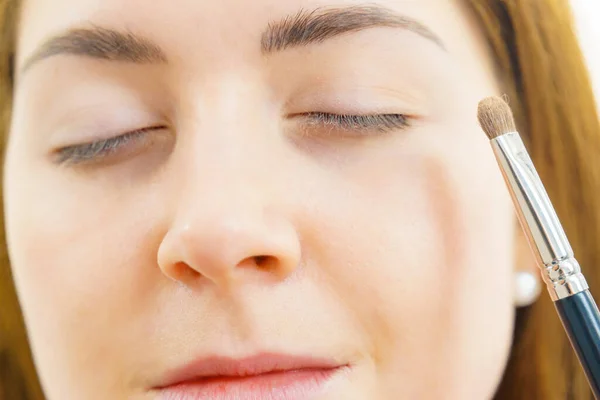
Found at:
(542, 70)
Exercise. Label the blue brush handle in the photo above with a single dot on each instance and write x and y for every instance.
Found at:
(581, 319)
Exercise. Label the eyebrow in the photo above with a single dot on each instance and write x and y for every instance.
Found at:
(302, 29)
(100, 43)
(307, 27)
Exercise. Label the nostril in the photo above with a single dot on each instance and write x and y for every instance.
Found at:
(183, 271)
(266, 263)
(260, 260)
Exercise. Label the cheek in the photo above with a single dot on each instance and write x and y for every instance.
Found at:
(422, 256)
(82, 267)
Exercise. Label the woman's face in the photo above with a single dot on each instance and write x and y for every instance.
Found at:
(199, 190)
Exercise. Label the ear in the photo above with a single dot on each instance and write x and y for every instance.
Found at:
(527, 280)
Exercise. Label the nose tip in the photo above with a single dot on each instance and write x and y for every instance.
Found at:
(228, 250)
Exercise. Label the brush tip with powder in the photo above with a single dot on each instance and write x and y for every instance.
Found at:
(495, 117)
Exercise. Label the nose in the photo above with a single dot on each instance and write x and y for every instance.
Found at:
(230, 222)
(227, 246)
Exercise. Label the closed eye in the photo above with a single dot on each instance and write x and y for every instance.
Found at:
(380, 123)
(101, 149)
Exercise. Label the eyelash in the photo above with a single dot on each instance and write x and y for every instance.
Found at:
(93, 151)
(89, 152)
(380, 123)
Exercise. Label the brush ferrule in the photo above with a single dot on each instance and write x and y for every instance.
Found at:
(537, 217)
(564, 278)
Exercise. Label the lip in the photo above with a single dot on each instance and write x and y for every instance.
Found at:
(264, 376)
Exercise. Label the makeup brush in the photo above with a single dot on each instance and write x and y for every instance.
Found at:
(559, 269)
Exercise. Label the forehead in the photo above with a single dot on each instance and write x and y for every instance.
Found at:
(227, 24)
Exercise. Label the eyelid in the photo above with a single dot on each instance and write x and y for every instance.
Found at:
(100, 149)
(95, 151)
(381, 123)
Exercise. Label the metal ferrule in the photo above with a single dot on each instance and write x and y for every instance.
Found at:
(560, 270)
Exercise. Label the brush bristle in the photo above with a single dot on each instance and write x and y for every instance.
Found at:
(495, 117)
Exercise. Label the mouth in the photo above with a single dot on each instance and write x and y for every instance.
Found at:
(264, 376)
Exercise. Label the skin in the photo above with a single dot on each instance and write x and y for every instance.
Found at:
(239, 228)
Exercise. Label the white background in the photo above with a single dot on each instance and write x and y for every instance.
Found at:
(587, 16)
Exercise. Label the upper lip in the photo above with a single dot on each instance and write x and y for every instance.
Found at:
(226, 367)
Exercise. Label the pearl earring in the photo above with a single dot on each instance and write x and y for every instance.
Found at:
(527, 289)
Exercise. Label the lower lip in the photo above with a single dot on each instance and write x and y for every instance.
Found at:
(285, 385)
